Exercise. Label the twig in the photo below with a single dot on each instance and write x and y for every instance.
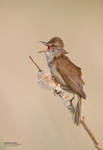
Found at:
(35, 63)
(93, 138)
(46, 79)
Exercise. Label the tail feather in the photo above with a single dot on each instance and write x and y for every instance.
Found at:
(77, 116)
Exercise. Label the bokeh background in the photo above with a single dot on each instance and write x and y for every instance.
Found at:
(33, 116)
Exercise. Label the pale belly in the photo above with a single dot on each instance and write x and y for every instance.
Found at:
(56, 75)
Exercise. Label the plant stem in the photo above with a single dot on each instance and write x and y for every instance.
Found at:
(35, 64)
(90, 134)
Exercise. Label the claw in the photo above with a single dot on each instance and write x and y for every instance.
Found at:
(57, 92)
(71, 98)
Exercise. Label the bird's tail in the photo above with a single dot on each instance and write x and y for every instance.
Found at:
(77, 116)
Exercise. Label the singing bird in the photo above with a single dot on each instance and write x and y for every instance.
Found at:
(65, 72)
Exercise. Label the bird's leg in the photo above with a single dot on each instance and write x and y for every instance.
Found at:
(57, 90)
(71, 106)
(72, 98)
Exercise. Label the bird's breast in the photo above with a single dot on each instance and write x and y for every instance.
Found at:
(56, 75)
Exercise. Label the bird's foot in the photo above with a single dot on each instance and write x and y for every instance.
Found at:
(57, 90)
(71, 106)
(71, 100)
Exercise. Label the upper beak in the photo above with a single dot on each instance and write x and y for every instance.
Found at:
(45, 50)
(45, 43)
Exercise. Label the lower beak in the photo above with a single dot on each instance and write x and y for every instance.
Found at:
(45, 50)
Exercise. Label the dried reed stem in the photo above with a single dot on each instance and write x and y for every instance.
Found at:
(93, 138)
(35, 64)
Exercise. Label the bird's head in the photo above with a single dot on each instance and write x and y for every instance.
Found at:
(54, 47)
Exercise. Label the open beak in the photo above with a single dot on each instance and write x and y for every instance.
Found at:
(45, 50)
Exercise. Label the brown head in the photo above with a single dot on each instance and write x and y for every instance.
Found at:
(56, 43)
(54, 46)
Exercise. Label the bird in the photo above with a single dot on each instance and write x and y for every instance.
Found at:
(65, 72)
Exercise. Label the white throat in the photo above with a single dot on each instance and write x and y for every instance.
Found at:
(49, 57)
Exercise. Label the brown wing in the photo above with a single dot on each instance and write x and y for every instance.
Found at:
(71, 74)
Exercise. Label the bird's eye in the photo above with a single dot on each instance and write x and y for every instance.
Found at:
(53, 45)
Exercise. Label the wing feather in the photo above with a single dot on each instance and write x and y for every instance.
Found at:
(71, 74)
